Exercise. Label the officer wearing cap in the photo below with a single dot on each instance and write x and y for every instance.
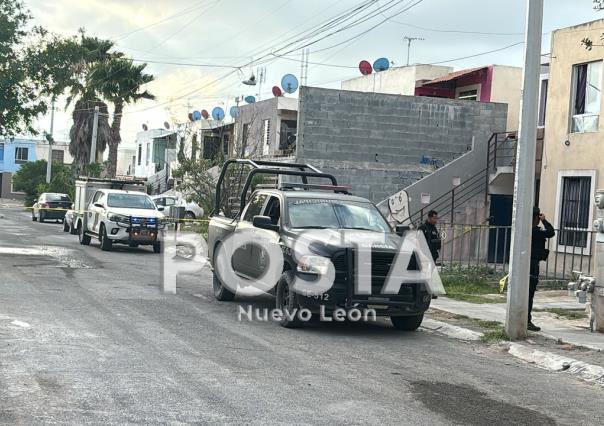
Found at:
(538, 253)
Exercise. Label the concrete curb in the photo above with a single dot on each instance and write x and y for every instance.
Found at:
(549, 361)
(451, 331)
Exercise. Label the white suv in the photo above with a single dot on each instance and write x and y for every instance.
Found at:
(124, 217)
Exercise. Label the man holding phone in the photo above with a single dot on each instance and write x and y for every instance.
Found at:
(538, 253)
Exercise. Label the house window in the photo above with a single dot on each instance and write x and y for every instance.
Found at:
(1, 152)
(542, 102)
(266, 131)
(468, 95)
(148, 154)
(587, 80)
(21, 155)
(575, 204)
(58, 156)
(140, 154)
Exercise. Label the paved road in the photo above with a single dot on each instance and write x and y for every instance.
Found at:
(87, 337)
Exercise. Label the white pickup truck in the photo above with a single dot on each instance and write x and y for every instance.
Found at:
(123, 216)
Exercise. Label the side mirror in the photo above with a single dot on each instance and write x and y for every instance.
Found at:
(99, 205)
(160, 208)
(264, 222)
(401, 229)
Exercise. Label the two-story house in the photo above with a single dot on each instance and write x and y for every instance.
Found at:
(13, 153)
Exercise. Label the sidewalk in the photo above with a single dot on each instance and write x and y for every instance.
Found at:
(574, 332)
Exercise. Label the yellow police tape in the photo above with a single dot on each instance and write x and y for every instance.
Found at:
(90, 211)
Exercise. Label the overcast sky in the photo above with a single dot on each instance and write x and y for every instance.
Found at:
(231, 32)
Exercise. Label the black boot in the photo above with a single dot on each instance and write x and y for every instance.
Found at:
(532, 327)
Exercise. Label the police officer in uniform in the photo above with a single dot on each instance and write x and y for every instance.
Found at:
(429, 230)
(538, 253)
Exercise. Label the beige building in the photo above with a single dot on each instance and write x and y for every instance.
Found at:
(396, 81)
(572, 161)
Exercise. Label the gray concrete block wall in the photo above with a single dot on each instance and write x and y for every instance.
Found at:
(391, 133)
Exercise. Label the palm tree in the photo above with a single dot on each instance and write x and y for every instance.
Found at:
(121, 82)
(80, 134)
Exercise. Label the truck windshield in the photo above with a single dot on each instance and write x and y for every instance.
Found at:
(335, 214)
(130, 201)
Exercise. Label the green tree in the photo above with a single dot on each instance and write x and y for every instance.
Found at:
(20, 92)
(121, 82)
(31, 179)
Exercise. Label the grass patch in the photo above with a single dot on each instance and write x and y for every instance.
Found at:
(565, 313)
(472, 289)
(496, 335)
(489, 325)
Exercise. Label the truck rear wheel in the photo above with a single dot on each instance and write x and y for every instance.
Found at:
(157, 247)
(84, 239)
(410, 323)
(65, 226)
(286, 302)
(221, 293)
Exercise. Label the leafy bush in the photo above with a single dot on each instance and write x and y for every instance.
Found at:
(31, 179)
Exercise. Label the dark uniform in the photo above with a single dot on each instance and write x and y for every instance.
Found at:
(432, 237)
(538, 253)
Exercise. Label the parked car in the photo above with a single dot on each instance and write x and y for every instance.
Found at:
(121, 217)
(192, 209)
(50, 206)
(69, 222)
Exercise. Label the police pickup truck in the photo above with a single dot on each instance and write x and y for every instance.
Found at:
(116, 212)
(283, 215)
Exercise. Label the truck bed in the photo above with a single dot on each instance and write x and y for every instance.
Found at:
(218, 229)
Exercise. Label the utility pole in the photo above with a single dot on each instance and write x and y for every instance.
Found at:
(524, 188)
(50, 140)
(410, 40)
(95, 130)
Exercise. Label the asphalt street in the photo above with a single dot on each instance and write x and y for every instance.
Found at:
(86, 337)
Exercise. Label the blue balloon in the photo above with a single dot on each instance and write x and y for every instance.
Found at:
(250, 99)
(234, 112)
(381, 64)
(196, 115)
(289, 83)
(218, 114)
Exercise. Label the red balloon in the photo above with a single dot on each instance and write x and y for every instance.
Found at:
(365, 68)
(277, 91)
(205, 114)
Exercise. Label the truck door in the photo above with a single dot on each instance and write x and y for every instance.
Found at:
(94, 212)
(242, 258)
(259, 256)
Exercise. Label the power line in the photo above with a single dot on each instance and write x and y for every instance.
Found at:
(436, 30)
(478, 54)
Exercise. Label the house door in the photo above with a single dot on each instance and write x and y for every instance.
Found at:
(500, 216)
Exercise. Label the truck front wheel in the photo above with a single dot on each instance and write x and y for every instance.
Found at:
(106, 243)
(287, 303)
(410, 323)
(221, 293)
(84, 239)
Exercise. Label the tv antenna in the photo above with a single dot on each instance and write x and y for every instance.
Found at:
(410, 40)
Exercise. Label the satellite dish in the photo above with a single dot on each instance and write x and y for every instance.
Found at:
(365, 67)
(277, 91)
(289, 83)
(167, 125)
(250, 99)
(191, 116)
(381, 64)
(218, 114)
(196, 116)
(145, 127)
(205, 114)
(234, 112)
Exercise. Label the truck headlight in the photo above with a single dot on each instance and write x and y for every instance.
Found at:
(113, 217)
(314, 265)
